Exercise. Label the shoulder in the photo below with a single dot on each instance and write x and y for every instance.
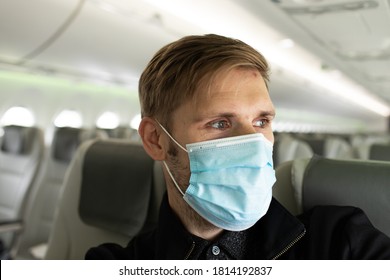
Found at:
(139, 248)
(343, 232)
(143, 246)
(333, 215)
(107, 251)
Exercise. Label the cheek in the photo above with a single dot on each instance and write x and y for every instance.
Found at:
(270, 136)
(179, 165)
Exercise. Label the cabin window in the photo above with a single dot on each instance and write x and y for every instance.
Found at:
(108, 120)
(18, 116)
(68, 118)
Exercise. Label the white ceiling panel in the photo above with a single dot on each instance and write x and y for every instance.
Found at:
(375, 70)
(355, 32)
(104, 40)
(118, 47)
(26, 24)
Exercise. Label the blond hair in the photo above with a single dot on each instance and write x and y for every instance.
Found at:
(179, 68)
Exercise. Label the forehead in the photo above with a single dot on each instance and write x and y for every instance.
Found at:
(214, 78)
(237, 92)
(230, 83)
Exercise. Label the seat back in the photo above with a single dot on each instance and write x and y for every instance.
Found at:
(123, 132)
(288, 148)
(112, 192)
(302, 184)
(47, 190)
(288, 186)
(317, 144)
(20, 156)
(379, 151)
(330, 146)
(372, 147)
(338, 148)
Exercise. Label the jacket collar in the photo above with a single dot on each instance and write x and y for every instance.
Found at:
(276, 232)
(173, 241)
(270, 236)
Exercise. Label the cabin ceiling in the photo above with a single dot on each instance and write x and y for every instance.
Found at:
(352, 36)
(77, 38)
(112, 41)
(355, 33)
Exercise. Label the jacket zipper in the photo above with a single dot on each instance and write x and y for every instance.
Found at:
(290, 245)
(190, 251)
(276, 257)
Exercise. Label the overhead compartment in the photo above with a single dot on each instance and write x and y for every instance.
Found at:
(99, 40)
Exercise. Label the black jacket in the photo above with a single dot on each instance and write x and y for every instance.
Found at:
(325, 232)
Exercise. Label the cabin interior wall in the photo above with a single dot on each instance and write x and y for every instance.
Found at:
(46, 98)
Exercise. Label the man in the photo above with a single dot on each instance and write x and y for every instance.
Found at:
(206, 115)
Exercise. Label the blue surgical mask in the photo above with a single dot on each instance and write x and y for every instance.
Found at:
(231, 179)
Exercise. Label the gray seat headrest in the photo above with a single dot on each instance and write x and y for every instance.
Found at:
(18, 140)
(363, 184)
(380, 152)
(317, 145)
(65, 143)
(116, 187)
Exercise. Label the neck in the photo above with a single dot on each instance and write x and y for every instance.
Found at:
(191, 220)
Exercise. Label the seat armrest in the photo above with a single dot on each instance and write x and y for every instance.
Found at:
(10, 226)
(39, 251)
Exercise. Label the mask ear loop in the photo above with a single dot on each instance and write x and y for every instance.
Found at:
(169, 135)
(173, 179)
(165, 164)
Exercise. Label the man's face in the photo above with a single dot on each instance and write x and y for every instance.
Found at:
(236, 103)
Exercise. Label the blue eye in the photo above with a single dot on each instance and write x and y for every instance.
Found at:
(220, 124)
(261, 123)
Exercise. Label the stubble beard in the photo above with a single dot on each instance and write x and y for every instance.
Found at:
(180, 171)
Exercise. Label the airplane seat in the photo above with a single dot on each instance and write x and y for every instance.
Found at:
(379, 151)
(371, 149)
(336, 147)
(288, 186)
(286, 148)
(330, 146)
(122, 132)
(112, 192)
(20, 157)
(304, 183)
(88, 134)
(47, 191)
(317, 144)
(358, 143)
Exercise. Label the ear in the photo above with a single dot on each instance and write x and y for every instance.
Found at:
(152, 138)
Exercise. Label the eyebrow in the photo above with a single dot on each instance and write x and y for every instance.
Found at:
(268, 114)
